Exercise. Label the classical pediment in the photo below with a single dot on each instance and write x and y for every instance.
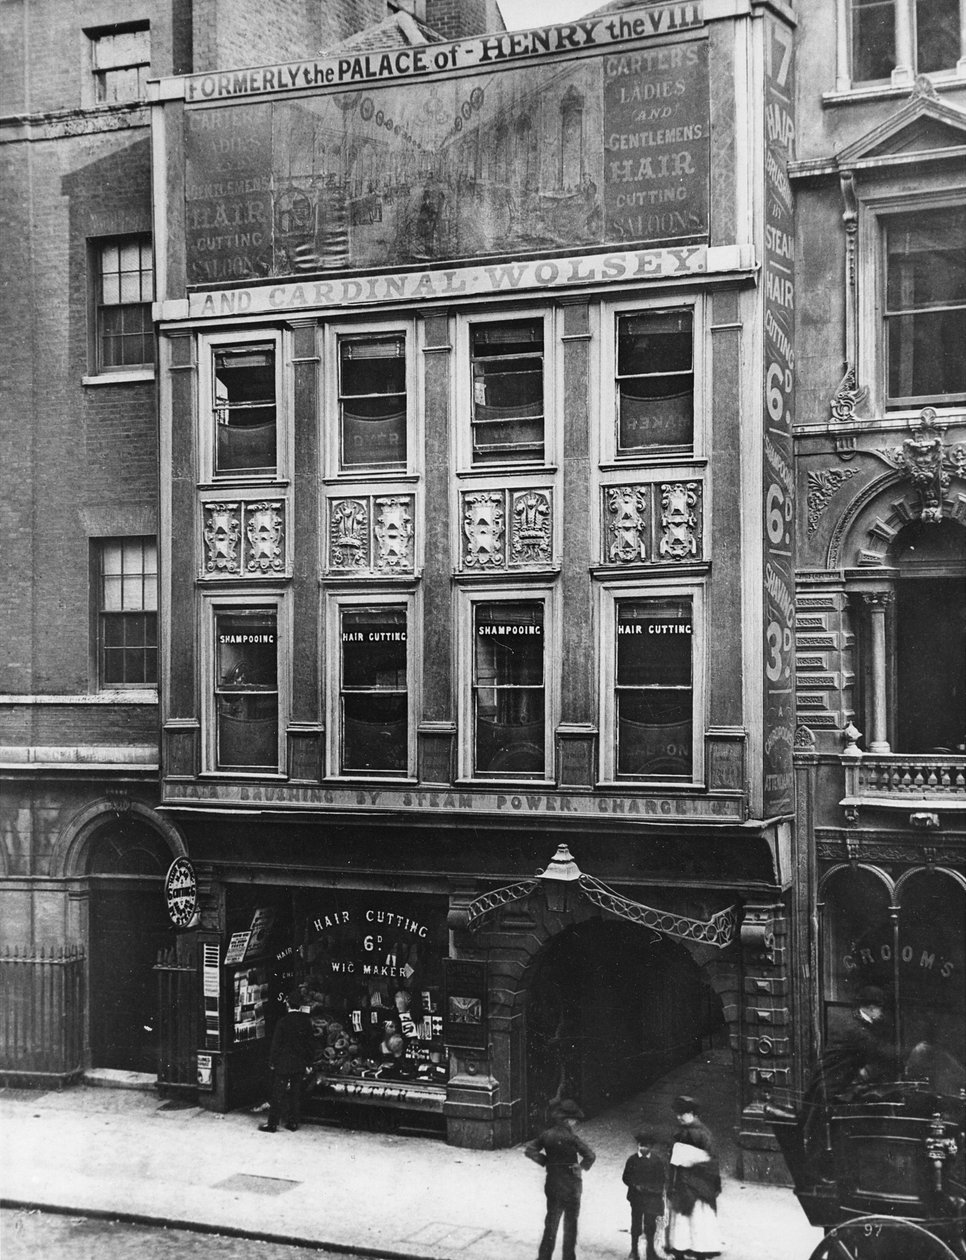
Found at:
(924, 128)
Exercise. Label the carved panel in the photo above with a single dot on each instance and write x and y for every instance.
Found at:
(822, 486)
(370, 534)
(531, 525)
(243, 537)
(349, 534)
(483, 517)
(679, 520)
(264, 529)
(222, 535)
(627, 524)
(394, 533)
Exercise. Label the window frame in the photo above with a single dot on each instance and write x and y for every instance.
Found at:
(233, 605)
(905, 74)
(209, 345)
(871, 318)
(98, 612)
(95, 35)
(376, 598)
(610, 594)
(100, 369)
(610, 453)
(335, 335)
(466, 322)
(467, 602)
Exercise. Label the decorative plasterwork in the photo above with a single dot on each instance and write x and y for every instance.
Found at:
(506, 529)
(822, 486)
(849, 398)
(927, 461)
(371, 534)
(632, 533)
(243, 537)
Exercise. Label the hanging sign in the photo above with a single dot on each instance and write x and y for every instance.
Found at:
(181, 893)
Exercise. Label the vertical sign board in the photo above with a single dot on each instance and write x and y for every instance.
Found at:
(779, 385)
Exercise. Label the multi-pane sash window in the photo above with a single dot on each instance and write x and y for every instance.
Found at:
(372, 402)
(374, 696)
(654, 689)
(925, 309)
(245, 409)
(655, 380)
(246, 690)
(876, 27)
(125, 290)
(127, 612)
(121, 62)
(509, 694)
(508, 407)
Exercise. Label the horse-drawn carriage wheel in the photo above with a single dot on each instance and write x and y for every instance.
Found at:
(881, 1238)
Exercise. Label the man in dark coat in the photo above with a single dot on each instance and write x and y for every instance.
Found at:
(644, 1176)
(564, 1155)
(292, 1052)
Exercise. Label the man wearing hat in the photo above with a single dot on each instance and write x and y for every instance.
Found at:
(292, 1052)
(564, 1155)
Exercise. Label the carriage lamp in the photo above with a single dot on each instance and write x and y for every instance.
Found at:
(561, 874)
(939, 1149)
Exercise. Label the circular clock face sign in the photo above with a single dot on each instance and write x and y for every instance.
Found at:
(181, 892)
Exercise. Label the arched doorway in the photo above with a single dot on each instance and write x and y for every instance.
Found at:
(610, 1007)
(128, 926)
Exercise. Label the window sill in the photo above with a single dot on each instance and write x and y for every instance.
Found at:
(942, 81)
(134, 377)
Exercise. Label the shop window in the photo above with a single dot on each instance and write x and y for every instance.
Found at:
(509, 694)
(121, 61)
(371, 972)
(507, 416)
(124, 292)
(372, 402)
(245, 409)
(920, 35)
(127, 617)
(246, 690)
(925, 307)
(655, 381)
(374, 691)
(911, 944)
(653, 689)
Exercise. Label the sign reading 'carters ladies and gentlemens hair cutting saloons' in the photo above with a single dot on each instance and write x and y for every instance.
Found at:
(571, 151)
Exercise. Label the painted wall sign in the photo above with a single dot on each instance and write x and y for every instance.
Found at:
(510, 277)
(778, 279)
(416, 62)
(257, 795)
(585, 152)
(181, 893)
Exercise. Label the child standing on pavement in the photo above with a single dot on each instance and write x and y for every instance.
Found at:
(644, 1176)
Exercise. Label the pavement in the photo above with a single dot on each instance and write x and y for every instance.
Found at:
(127, 1154)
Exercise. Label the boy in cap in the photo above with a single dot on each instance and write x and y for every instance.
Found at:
(644, 1176)
(564, 1155)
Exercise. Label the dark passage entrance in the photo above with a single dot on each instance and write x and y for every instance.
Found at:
(128, 926)
(611, 1007)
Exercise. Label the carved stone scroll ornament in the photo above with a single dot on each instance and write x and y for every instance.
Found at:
(822, 486)
(222, 534)
(927, 461)
(679, 520)
(531, 541)
(264, 528)
(483, 529)
(349, 534)
(849, 399)
(394, 532)
(627, 508)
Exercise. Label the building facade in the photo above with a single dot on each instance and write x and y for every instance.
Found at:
(83, 849)
(476, 385)
(880, 442)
